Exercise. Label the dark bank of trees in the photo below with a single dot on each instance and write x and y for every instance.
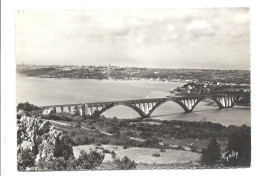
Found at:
(27, 107)
(240, 142)
(238, 151)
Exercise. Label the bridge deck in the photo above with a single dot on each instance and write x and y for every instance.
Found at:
(173, 98)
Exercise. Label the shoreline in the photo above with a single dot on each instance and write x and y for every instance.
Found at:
(141, 79)
(126, 80)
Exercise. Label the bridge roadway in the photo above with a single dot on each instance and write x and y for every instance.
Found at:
(145, 107)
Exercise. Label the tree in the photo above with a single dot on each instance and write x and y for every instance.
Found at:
(211, 154)
(27, 107)
(240, 143)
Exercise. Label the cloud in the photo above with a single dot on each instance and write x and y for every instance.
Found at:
(138, 35)
(170, 27)
(199, 28)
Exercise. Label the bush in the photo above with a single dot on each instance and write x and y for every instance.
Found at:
(73, 133)
(99, 147)
(98, 144)
(56, 164)
(162, 150)
(156, 155)
(113, 155)
(125, 163)
(113, 130)
(145, 134)
(84, 162)
(106, 151)
(211, 154)
(193, 148)
(179, 147)
(56, 117)
(105, 140)
(77, 125)
(89, 161)
(25, 159)
(151, 143)
(92, 127)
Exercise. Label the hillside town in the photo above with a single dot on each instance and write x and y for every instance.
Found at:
(207, 78)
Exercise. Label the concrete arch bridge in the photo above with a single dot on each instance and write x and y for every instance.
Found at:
(145, 107)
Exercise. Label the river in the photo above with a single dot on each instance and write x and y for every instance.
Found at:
(46, 91)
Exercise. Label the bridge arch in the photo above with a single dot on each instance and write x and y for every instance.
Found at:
(139, 111)
(210, 98)
(184, 107)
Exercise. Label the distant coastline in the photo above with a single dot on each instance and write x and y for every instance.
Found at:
(227, 77)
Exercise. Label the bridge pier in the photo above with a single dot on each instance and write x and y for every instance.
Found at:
(188, 111)
(83, 110)
(61, 110)
(145, 117)
(86, 109)
(54, 110)
(226, 102)
(91, 110)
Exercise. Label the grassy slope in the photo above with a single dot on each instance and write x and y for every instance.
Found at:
(142, 155)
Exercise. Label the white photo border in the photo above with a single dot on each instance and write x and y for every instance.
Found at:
(8, 70)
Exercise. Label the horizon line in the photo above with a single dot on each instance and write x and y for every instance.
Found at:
(128, 66)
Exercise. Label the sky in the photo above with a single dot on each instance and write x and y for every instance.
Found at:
(207, 38)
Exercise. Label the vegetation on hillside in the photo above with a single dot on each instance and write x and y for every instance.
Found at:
(124, 132)
(211, 154)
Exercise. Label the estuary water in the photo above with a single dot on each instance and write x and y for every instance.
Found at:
(46, 91)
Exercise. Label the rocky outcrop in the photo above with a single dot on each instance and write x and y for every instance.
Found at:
(41, 138)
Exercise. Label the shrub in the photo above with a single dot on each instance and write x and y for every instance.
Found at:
(211, 154)
(98, 144)
(106, 151)
(56, 164)
(113, 155)
(113, 130)
(56, 117)
(151, 143)
(91, 160)
(179, 147)
(145, 134)
(156, 155)
(162, 150)
(73, 133)
(125, 164)
(193, 148)
(84, 162)
(76, 119)
(92, 127)
(25, 159)
(105, 140)
(78, 141)
(86, 140)
(125, 147)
